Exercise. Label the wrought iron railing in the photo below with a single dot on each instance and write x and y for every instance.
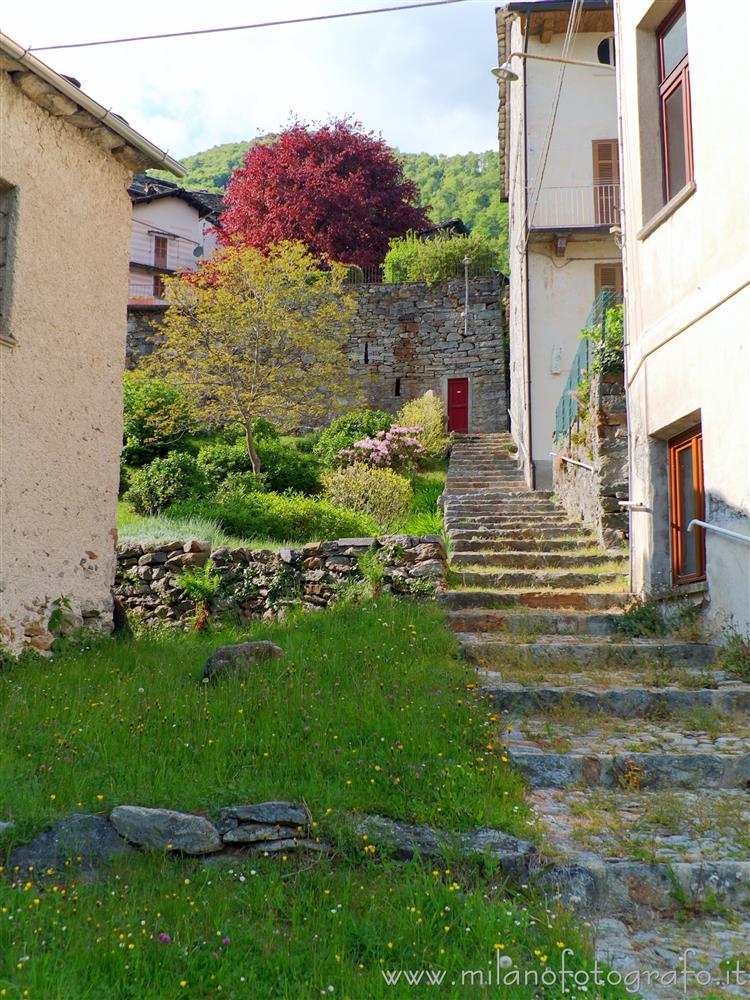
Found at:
(568, 408)
(583, 206)
(379, 274)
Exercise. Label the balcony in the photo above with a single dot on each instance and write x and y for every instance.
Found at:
(146, 291)
(590, 206)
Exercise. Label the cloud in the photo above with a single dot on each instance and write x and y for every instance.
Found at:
(419, 77)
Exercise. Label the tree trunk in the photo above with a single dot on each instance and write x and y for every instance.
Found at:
(251, 448)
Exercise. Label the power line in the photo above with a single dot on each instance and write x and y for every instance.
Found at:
(244, 27)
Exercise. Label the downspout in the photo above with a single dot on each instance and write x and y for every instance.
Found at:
(625, 285)
(527, 351)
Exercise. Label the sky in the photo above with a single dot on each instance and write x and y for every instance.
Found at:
(420, 77)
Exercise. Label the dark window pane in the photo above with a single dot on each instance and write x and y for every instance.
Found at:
(674, 45)
(687, 512)
(674, 123)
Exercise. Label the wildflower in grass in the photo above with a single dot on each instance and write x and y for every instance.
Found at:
(164, 937)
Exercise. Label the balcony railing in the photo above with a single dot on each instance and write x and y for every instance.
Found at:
(145, 292)
(575, 207)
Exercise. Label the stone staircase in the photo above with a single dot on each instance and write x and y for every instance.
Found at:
(636, 750)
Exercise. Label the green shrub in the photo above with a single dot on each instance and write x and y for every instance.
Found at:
(292, 518)
(284, 467)
(428, 413)
(351, 427)
(157, 414)
(165, 481)
(412, 259)
(608, 343)
(219, 460)
(380, 494)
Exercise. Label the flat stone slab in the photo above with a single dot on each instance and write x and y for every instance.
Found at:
(624, 703)
(86, 841)
(671, 826)
(286, 813)
(166, 830)
(409, 840)
(254, 833)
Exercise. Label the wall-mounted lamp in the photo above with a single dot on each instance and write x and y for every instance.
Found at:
(508, 74)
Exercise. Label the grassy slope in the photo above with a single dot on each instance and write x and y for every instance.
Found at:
(370, 710)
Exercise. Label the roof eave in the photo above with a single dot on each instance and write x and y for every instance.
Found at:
(157, 158)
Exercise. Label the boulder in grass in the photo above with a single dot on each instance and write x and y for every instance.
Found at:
(85, 843)
(166, 830)
(239, 657)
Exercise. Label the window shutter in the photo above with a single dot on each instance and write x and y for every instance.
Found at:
(609, 276)
(606, 162)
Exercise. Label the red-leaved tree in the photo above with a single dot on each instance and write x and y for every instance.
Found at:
(338, 189)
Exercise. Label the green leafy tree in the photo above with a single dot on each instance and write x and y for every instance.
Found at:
(254, 334)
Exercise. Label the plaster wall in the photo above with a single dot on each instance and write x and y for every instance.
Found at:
(688, 291)
(61, 382)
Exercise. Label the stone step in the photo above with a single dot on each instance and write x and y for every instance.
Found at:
(508, 521)
(485, 508)
(494, 496)
(538, 579)
(568, 600)
(632, 755)
(520, 545)
(489, 620)
(604, 649)
(530, 560)
(513, 535)
(620, 702)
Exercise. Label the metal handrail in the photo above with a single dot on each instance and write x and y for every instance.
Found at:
(634, 505)
(519, 442)
(718, 530)
(572, 461)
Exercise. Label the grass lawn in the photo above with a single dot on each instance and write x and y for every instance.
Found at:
(370, 710)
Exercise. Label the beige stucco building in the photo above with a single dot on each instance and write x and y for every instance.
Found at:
(558, 153)
(686, 188)
(65, 215)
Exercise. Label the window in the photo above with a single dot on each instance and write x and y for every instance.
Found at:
(606, 182)
(367, 353)
(158, 286)
(605, 51)
(686, 502)
(674, 95)
(7, 204)
(161, 245)
(609, 277)
(397, 388)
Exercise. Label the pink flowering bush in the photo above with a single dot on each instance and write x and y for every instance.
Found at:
(397, 448)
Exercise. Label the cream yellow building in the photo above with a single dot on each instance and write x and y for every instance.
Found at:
(559, 161)
(65, 215)
(685, 152)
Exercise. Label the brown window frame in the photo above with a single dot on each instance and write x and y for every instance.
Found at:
(692, 439)
(161, 243)
(600, 285)
(679, 76)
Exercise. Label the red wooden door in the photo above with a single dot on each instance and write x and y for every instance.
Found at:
(458, 405)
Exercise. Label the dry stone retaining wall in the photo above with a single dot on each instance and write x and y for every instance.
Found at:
(594, 497)
(257, 583)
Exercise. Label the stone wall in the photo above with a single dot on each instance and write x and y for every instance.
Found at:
(409, 338)
(256, 583)
(601, 442)
(143, 332)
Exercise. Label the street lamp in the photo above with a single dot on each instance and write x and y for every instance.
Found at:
(508, 74)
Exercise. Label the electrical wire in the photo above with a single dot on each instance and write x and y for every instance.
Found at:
(244, 27)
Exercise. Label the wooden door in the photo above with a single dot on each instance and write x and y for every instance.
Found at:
(606, 182)
(458, 405)
(686, 502)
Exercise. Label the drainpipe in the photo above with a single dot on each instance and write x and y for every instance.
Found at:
(527, 352)
(625, 285)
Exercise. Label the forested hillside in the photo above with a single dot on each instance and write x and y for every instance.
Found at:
(465, 186)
